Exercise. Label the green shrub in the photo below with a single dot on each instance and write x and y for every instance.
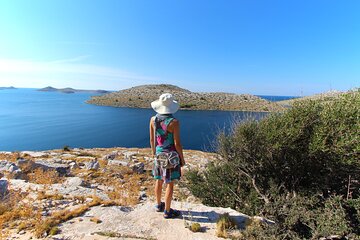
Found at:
(187, 105)
(275, 166)
(66, 148)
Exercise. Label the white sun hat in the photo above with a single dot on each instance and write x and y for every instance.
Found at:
(165, 104)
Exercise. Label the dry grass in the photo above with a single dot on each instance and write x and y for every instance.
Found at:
(39, 176)
(12, 157)
(195, 227)
(14, 213)
(125, 185)
(223, 224)
(43, 195)
(122, 236)
(46, 225)
(103, 163)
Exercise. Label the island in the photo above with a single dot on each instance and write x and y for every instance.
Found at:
(142, 96)
(7, 88)
(71, 90)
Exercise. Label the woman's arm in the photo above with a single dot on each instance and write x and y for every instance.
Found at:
(177, 142)
(152, 139)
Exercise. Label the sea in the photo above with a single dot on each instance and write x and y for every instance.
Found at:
(35, 120)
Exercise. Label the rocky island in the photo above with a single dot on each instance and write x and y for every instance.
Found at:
(7, 88)
(71, 90)
(142, 96)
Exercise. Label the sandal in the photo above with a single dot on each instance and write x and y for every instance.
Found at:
(172, 213)
(160, 207)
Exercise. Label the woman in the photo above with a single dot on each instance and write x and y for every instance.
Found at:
(165, 137)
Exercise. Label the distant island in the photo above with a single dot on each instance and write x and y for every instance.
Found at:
(9, 88)
(71, 90)
(142, 96)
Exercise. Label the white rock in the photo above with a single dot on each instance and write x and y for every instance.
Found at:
(110, 156)
(73, 165)
(143, 222)
(129, 154)
(118, 163)
(62, 169)
(35, 154)
(92, 165)
(10, 167)
(74, 181)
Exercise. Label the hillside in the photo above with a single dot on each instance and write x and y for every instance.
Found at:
(142, 96)
(320, 96)
(70, 90)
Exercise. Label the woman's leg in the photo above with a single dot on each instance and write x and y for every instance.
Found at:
(158, 190)
(168, 195)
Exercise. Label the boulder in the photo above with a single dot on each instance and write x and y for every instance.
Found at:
(62, 169)
(10, 167)
(118, 163)
(110, 156)
(3, 187)
(138, 167)
(74, 181)
(73, 165)
(94, 165)
(129, 154)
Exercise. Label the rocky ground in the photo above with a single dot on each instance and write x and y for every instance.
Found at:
(96, 194)
(142, 96)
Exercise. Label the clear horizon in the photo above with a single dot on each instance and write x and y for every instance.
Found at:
(278, 48)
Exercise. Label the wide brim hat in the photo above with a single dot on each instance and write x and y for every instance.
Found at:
(165, 104)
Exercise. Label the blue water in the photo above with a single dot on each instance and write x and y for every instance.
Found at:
(276, 98)
(34, 120)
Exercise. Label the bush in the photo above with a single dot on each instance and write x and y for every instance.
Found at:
(66, 148)
(312, 149)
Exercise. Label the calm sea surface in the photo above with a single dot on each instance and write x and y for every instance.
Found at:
(34, 120)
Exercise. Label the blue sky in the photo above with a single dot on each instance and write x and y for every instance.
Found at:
(244, 46)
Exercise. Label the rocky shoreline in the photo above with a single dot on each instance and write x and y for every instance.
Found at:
(142, 96)
(96, 194)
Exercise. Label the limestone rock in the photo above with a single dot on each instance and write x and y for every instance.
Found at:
(3, 187)
(73, 165)
(10, 167)
(118, 163)
(110, 156)
(74, 181)
(35, 154)
(138, 167)
(78, 191)
(62, 169)
(94, 165)
(129, 154)
(143, 222)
